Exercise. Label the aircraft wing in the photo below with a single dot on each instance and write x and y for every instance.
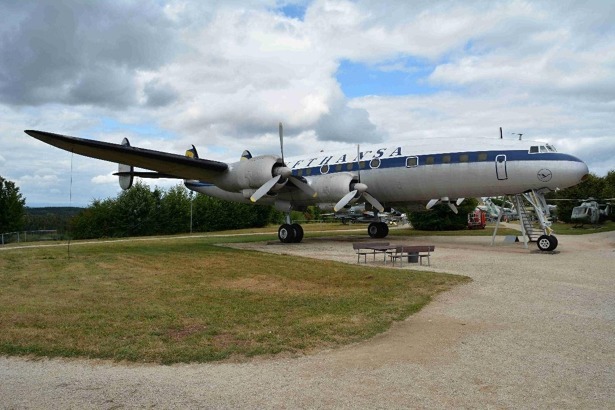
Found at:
(171, 165)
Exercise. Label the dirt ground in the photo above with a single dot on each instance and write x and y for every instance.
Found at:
(532, 330)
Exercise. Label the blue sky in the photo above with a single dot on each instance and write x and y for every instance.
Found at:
(221, 75)
(409, 77)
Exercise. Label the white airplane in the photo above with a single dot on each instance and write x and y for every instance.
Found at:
(433, 170)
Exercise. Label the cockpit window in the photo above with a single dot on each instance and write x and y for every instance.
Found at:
(535, 149)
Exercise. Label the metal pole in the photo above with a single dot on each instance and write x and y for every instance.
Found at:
(190, 211)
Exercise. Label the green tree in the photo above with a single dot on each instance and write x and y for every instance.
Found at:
(174, 213)
(12, 207)
(96, 221)
(136, 211)
(442, 218)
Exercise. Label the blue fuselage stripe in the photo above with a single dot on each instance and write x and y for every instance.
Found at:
(438, 159)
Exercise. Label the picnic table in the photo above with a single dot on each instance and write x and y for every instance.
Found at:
(413, 253)
(372, 248)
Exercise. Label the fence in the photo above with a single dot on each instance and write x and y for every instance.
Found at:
(29, 236)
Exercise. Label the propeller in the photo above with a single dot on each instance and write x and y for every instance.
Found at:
(445, 199)
(282, 174)
(358, 189)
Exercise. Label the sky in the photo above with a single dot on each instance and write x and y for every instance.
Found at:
(221, 74)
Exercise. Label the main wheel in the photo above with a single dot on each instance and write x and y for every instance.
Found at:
(546, 243)
(286, 233)
(378, 230)
(298, 233)
(373, 229)
(384, 230)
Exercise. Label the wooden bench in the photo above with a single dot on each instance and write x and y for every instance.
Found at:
(369, 248)
(408, 251)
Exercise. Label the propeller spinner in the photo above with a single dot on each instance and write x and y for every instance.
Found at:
(282, 174)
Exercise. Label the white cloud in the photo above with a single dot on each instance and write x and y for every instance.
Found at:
(221, 74)
(104, 179)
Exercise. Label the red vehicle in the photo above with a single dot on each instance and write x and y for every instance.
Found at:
(477, 219)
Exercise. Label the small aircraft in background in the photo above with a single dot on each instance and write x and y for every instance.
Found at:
(359, 214)
(434, 170)
(590, 212)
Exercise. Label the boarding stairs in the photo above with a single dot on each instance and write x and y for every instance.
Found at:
(537, 212)
(527, 216)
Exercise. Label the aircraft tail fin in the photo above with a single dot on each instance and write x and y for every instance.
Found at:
(192, 153)
(124, 171)
(246, 155)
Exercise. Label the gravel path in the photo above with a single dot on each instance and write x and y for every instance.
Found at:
(531, 331)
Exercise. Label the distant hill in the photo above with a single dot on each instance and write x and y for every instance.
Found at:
(54, 210)
(51, 217)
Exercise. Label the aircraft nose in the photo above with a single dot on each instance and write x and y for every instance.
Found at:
(578, 172)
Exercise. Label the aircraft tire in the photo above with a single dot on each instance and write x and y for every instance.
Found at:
(546, 243)
(373, 230)
(286, 233)
(554, 241)
(298, 233)
(384, 228)
(378, 230)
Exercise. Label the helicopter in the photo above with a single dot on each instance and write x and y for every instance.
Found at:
(590, 212)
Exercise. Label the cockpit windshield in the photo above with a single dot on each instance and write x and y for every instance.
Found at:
(535, 149)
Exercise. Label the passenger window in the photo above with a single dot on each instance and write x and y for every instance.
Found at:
(324, 169)
(349, 166)
(375, 163)
(482, 156)
(446, 159)
(412, 162)
(429, 160)
(338, 167)
(464, 158)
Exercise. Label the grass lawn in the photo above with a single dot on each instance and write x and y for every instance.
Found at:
(186, 300)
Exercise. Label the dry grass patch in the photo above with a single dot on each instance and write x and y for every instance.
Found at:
(189, 301)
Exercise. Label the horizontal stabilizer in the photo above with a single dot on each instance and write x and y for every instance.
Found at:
(144, 174)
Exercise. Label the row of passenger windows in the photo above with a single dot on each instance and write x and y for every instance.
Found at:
(412, 161)
(445, 159)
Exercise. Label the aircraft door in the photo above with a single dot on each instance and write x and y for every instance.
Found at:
(500, 167)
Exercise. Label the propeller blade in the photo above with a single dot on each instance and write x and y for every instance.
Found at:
(347, 198)
(459, 201)
(281, 131)
(453, 207)
(266, 187)
(359, 161)
(374, 202)
(303, 186)
(432, 203)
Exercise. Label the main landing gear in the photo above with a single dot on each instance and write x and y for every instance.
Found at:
(290, 233)
(378, 230)
(293, 232)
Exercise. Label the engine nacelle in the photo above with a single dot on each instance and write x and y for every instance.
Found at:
(249, 173)
(332, 187)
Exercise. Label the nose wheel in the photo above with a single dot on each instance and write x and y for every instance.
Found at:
(546, 243)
